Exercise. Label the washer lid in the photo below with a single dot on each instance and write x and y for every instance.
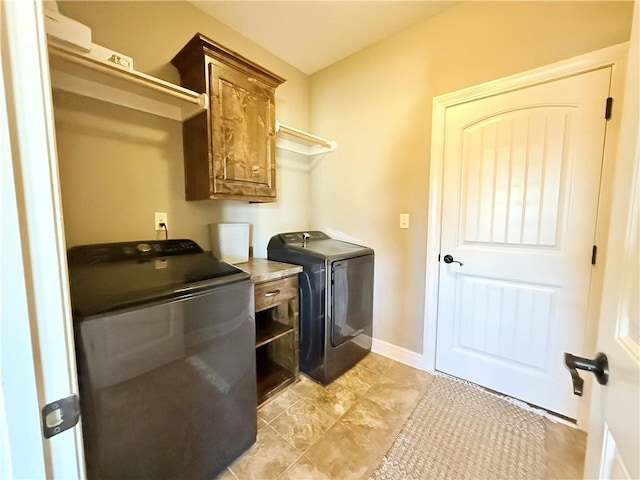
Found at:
(331, 248)
(116, 282)
(313, 244)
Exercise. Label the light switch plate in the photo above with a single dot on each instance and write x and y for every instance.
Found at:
(404, 220)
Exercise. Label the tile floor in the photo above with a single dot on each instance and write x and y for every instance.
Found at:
(342, 431)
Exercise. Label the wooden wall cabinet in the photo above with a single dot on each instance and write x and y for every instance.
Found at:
(229, 150)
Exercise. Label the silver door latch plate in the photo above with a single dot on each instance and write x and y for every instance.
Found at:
(60, 415)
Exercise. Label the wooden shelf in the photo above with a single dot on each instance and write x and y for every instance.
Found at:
(271, 379)
(268, 330)
(83, 75)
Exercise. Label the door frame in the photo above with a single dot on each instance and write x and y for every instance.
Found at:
(36, 329)
(615, 57)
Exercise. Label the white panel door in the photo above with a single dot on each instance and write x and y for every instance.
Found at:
(520, 193)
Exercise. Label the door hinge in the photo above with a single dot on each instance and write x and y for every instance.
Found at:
(607, 110)
(60, 415)
(594, 254)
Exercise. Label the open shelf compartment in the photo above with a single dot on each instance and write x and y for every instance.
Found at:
(269, 330)
(271, 377)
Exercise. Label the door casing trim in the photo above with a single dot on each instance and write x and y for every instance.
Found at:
(613, 57)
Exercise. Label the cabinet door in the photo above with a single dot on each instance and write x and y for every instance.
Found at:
(242, 134)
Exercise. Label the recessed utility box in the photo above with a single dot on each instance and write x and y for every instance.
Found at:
(230, 241)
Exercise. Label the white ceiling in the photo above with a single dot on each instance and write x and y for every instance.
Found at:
(311, 35)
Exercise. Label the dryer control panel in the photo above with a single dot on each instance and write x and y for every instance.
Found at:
(301, 237)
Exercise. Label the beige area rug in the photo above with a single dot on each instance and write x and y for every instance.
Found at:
(460, 431)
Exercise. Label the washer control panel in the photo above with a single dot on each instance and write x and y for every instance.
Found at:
(123, 251)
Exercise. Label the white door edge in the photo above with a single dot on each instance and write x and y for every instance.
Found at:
(614, 57)
(39, 224)
(614, 432)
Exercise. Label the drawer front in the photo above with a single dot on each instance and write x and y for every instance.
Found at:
(269, 294)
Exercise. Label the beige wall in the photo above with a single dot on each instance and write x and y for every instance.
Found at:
(377, 105)
(118, 166)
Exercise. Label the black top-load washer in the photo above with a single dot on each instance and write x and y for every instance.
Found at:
(336, 300)
(165, 342)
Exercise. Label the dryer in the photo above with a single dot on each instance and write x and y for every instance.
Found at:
(336, 300)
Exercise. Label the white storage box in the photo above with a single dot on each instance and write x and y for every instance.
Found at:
(230, 241)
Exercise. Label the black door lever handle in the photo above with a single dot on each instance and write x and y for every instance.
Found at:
(599, 366)
(449, 259)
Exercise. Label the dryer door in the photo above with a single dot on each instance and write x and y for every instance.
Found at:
(351, 298)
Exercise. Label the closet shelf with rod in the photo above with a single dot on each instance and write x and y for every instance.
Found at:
(299, 141)
(106, 81)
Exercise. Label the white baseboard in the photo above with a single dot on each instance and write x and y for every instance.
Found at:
(398, 354)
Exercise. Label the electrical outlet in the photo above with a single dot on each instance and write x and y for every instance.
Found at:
(404, 220)
(158, 218)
